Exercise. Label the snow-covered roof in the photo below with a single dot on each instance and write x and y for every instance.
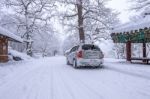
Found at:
(127, 27)
(10, 35)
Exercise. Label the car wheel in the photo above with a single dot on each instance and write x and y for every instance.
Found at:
(100, 66)
(68, 63)
(74, 63)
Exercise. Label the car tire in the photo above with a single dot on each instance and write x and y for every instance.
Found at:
(74, 63)
(68, 63)
(100, 66)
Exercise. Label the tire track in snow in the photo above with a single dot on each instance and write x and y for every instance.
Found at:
(27, 82)
(17, 76)
(22, 83)
(66, 85)
(51, 82)
(42, 84)
(30, 88)
(79, 75)
(128, 72)
(61, 88)
(82, 85)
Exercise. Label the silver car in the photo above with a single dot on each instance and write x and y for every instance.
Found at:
(85, 55)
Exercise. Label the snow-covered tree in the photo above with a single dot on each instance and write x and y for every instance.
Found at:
(148, 49)
(90, 18)
(28, 14)
(1, 6)
(70, 41)
(140, 5)
(119, 50)
(46, 42)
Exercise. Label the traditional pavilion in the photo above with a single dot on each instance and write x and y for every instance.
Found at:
(137, 32)
(5, 37)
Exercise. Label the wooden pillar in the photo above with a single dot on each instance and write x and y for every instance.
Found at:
(128, 51)
(3, 49)
(144, 51)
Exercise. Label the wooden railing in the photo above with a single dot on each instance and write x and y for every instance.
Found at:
(146, 60)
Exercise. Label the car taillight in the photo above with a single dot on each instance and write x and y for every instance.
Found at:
(79, 54)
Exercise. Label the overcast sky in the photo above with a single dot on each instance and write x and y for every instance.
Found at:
(121, 6)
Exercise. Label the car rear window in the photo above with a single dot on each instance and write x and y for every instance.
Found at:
(90, 47)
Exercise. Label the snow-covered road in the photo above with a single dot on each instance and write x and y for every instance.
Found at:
(51, 78)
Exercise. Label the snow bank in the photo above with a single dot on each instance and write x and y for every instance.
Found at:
(9, 34)
(127, 27)
(19, 54)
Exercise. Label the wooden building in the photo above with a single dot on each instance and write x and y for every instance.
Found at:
(129, 33)
(137, 36)
(5, 37)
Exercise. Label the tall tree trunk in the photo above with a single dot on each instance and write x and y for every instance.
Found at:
(28, 36)
(80, 21)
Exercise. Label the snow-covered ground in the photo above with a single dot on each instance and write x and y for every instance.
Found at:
(14, 53)
(51, 78)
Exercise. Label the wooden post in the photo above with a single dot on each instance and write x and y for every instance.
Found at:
(128, 50)
(144, 51)
(3, 49)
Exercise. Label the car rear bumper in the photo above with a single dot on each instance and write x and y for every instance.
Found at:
(90, 62)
